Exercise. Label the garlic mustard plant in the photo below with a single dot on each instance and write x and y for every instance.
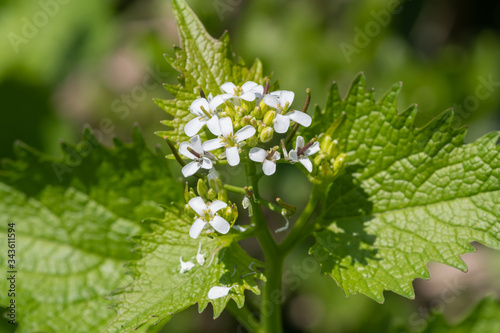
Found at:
(156, 233)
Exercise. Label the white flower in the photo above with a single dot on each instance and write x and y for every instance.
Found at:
(207, 216)
(268, 160)
(248, 91)
(218, 292)
(247, 205)
(206, 113)
(186, 266)
(200, 258)
(195, 152)
(301, 153)
(281, 101)
(229, 141)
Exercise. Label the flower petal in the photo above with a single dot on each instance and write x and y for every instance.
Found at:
(191, 168)
(299, 143)
(226, 126)
(185, 266)
(257, 154)
(200, 258)
(306, 163)
(300, 117)
(276, 156)
(196, 144)
(281, 123)
(293, 156)
(271, 100)
(216, 206)
(213, 144)
(286, 96)
(215, 102)
(225, 97)
(232, 156)
(258, 90)
(313, 149)
(228, 87)
(218, 292)
(244, 133)
(269, 167)
(198, 205)
(220, 225)
(194, 126)
(213, 125)
(184, 151)
(196, 228)
(207, 163)
(248, 96)
(195, 107)
(249, 85)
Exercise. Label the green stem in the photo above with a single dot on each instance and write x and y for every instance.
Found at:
(270, 302)
(235, 189)
(301, 229)
(244, 316)
(272, 206)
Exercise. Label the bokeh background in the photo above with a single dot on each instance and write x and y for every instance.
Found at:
(65, 64)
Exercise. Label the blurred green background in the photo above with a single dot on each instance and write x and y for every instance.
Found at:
(68, 63)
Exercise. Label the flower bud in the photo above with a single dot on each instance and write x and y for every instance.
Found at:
(338, 165)
(219, 184)
(213, 179)
(247, 106)
(189, 211)
(211, 194)
(266, 135)
(269, 117)
(222, 196)
(186, 193)
(252, 141)
(228, 215)
(257, 113)
(245, 121)
(191, 194)
(230, 110)
(263, 106)
(202, 188)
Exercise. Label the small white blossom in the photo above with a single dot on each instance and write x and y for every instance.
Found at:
(200, 258)
(268, 160)
(185, 266)
(247, 205)
(282, 100)
(195, 152)
(218, 292)
(206, 113)
(249, 91)
(299, 154)
(229, 140)
(206, 215)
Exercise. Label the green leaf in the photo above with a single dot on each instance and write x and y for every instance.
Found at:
(160, 290)
(485, 318)
(73, 217)
(409, 196)
(203, 62)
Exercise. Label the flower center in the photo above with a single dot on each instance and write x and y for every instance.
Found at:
(207, 215)
(238, 91)
(229, 141)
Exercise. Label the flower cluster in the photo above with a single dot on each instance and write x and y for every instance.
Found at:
(238, 123)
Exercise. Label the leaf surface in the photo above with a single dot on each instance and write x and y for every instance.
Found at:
(73, 219)
(409, 195)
